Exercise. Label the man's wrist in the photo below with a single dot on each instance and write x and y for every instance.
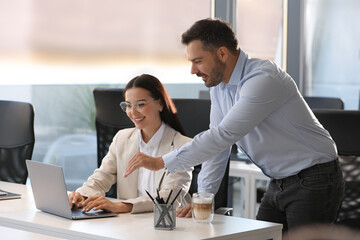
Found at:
(160, 163)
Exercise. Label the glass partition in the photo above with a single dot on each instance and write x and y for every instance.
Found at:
(53, 53)
(332, 51)
(259, 28)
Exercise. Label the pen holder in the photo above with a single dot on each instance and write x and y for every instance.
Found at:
(164, 216)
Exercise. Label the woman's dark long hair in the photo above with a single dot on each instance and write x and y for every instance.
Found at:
(154, 86)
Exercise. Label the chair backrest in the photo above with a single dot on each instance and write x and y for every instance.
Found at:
(324, 102)
(109, 119)
(194, 115)
(344, 127)
(17, 140)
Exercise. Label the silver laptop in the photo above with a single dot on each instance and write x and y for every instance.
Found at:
(49, 190)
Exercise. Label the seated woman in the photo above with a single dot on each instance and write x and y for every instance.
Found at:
(157, 131)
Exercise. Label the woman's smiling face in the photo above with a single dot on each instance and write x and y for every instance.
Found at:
(144, 111)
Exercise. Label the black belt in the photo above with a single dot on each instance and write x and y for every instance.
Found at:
(332, 165)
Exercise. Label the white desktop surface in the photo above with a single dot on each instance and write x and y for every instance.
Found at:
(16, 234)
(22, 214)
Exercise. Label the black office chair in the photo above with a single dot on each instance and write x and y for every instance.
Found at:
(324, 102)
(194, 115)
(17, 140)
(109, 119)
(344, 127)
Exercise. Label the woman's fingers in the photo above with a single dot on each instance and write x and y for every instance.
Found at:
(95, 203)
(71, 199)
(75, 199)
(90, 200)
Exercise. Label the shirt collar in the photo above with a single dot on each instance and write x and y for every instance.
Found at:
(238, 69)
(155, 140)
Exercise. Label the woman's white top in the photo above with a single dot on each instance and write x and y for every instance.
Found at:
(146, 178)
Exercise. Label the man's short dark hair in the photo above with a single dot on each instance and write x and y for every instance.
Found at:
(213, 33)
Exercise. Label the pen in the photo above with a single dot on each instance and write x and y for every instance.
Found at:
(172, 202)
(158, 194)
(159, 199)
(166, 211)
(158, 207)
(167, 200)
(152, 199)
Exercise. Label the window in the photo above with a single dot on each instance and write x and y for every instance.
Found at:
(53, 53)
(332, 52)
(259, 28)
(82, 42)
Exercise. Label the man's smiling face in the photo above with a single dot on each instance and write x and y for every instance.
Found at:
(205, 64)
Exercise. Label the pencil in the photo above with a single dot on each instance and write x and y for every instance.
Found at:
(172, 202)
(168, 198)
(166, 210)
(152, 199)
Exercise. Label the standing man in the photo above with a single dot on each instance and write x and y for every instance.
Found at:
(257, 105)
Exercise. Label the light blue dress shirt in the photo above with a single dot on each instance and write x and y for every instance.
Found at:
(262, 111)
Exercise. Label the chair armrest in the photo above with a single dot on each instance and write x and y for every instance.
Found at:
(224, 211)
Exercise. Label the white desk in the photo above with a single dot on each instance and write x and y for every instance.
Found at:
(16, 234)
(22, 214)
(250, 173)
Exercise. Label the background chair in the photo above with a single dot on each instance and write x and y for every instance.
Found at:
(344, 127)
(324, 102)
(16, 140)
(194, 115)
(109, 119)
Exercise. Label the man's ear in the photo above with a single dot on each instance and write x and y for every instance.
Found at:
(222, 53)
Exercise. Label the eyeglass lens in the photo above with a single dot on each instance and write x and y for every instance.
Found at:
(138, 106)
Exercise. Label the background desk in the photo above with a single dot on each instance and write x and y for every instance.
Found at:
(249, 173)
(22, 214)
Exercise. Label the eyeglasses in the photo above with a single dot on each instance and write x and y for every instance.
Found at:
(138, 105)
